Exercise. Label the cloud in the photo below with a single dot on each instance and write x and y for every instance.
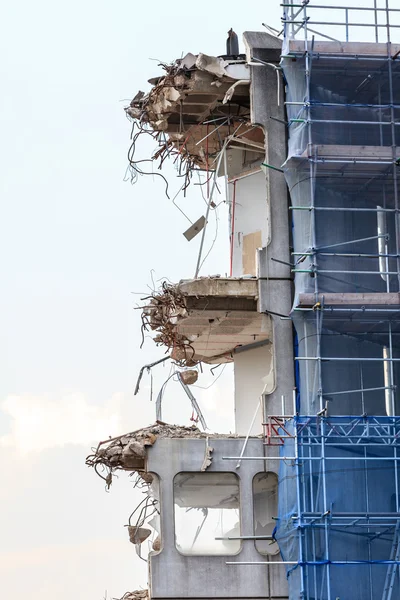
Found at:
(41, 422)
(41, 555)
(66, 571)
(216, 399)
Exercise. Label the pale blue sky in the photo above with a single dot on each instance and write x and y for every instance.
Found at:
(76, 241)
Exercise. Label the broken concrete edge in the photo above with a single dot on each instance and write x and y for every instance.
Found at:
(136, 595)
(177, 77)
(219, 286)
(262, 50)
(261, 41)
(128, 452)
(162, 311)
(168, 306)
(196, 95)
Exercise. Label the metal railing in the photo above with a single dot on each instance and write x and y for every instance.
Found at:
(299, 18)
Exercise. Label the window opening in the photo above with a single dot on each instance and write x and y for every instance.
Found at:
(265, 499)
(206, 508)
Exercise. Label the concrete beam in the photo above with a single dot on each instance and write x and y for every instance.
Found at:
(220, 286)
(347, 48)
(264, 105)
(349, 299)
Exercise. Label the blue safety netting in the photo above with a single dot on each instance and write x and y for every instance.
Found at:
(338, 508)
(337, 526)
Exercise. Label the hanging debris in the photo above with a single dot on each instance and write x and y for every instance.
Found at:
(145, 510)
(148, 368)
(197, 414)
(136, 595)
(189, 377)
(137, 535)
(187, 114)
(162, 313)
(128, 452)
(205, 319)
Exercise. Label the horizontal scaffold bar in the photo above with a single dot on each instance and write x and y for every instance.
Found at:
(345, 209)
(346, 359)
(333, 309)
(350, 122)
(319, 458)
(346, 254)
(339, 23)
(333, 56)
(351, 515)
(246, 537)
(318, 563)
(270, 564)
(309, 103)
(380, 273)
(361, 390)
(362, 8)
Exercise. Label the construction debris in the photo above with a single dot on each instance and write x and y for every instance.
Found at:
(164, 310)
(189, 377)
(205, 319)
(187, 114)
(148, 368)
(137, 535)
(128, 452)
(207, 457)
(136, 595)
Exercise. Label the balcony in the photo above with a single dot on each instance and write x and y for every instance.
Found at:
(207, 319)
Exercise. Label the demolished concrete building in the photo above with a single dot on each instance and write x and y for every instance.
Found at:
(302, 502)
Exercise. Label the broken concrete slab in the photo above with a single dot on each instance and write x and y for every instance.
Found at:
(186, 96)
(128, 452)
(136, 595)
(207, 319)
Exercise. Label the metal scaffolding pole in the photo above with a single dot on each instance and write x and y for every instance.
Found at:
(364, 180)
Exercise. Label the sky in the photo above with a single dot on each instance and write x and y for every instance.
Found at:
(79, 248)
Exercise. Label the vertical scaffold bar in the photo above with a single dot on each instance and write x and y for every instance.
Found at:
(371, 581)
(394, 145)
(292, 19)
(299, 509)
(314, 507)
(392, 568)
(313, 459)
(387, 22)
(392, 396)
(326, 509)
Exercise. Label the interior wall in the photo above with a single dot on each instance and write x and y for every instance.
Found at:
(253, 376)
(251, 222)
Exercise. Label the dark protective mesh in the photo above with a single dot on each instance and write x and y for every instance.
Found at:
(337, 506)
(339, 483)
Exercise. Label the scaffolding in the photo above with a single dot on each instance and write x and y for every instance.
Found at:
(339, 504)
(338, 522)
(343, 510)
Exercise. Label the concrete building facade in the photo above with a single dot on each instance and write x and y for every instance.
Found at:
(303, 501)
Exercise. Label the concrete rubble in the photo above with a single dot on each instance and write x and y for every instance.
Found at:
(206, 319)
(189, 377)
(128, 452)
(136, 595)
(187, 94)
(163, 311)
(192, 109)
